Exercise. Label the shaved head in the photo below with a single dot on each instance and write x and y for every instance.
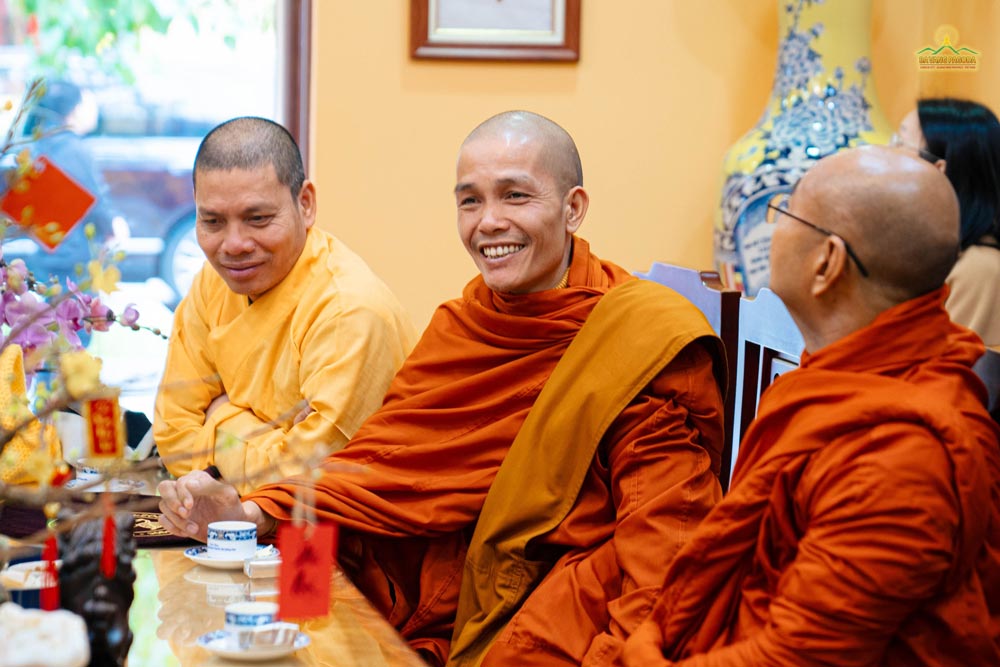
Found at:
(561, 157)
(898, 212)
(249, 143)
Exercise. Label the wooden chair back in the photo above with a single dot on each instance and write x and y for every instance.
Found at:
(769, 344)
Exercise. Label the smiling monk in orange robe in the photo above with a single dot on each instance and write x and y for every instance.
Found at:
(553, 438)
(863, 525)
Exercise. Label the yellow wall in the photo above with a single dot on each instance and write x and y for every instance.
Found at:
(662, 88)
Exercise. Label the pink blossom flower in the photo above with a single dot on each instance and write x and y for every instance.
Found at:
(69, 315)
(101, 316)
(33, 336)
(130, 315)
(28, 307)
(6, 298)
(30, 318)
(17, 276)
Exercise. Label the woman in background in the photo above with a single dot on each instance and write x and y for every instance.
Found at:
(966, 136)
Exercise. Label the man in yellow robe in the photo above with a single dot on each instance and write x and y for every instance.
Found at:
(287, 341)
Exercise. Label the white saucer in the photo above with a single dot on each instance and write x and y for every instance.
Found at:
(116, 486)
(221, 644)
(207, 577)
(200, 555)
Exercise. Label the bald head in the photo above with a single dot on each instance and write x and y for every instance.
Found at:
(898, 212)
(561, 157)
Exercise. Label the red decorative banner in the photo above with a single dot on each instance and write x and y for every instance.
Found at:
(49, 595)
(306, 567)
(47, 203)
(109, 540)
(105, 435)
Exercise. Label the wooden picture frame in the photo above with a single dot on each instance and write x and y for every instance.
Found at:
(540, 30)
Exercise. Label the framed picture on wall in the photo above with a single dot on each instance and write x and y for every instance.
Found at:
(495, 29)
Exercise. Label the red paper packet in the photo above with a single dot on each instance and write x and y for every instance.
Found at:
(306, 567)
(105, 435)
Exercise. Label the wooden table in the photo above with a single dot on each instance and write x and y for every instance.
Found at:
(177, 601)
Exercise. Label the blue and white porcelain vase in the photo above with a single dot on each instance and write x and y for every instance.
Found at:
(822, 101)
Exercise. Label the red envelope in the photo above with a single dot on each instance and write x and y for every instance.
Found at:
(105, 436)
(306, 567)
(47, 203)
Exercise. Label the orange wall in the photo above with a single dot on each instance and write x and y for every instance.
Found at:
(662, 88)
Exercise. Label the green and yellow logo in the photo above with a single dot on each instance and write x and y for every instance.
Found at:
(947, 56)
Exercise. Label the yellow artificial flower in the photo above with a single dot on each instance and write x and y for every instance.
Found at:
(80, 372)
(103, 279)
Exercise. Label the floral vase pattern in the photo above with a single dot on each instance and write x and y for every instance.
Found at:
(822, 100)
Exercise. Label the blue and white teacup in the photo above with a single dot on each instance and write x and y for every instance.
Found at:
(242, 618)
(235, 540)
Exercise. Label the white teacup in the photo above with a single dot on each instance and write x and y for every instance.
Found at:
(242, 616)
(86, 474)
(236, 540)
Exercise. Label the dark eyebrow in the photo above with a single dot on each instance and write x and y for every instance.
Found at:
(509, 181)
(252, 209)
(514, 180)
(258, 208)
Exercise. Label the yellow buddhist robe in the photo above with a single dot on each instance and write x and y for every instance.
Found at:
(330, 334)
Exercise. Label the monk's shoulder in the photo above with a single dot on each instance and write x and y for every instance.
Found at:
(892, 460)
(344, 286)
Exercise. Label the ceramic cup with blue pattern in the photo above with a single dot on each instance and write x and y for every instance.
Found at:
(235, 540)
(246, 616)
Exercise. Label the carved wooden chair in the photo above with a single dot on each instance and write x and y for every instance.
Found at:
(769, 344)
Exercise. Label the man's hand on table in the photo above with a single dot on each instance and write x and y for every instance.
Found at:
(193, 501)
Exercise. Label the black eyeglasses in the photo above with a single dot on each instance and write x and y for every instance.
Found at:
(779, 204)
(897, 142)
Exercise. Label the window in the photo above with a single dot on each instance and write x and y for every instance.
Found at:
(153, 78)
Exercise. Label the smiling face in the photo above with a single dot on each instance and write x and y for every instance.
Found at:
(514, 217)
(250, 227)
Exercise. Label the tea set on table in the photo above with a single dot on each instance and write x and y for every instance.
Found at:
(252, 630)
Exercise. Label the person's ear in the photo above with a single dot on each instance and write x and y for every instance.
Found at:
(941, 165)
(575, 206)
(307, 203)
(829, 266)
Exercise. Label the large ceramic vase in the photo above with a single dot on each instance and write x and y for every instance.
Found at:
(822, 101)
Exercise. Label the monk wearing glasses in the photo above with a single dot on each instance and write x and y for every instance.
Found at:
(863, 522)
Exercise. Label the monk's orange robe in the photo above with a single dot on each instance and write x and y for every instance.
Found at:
(426, 460)
(863, 526)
